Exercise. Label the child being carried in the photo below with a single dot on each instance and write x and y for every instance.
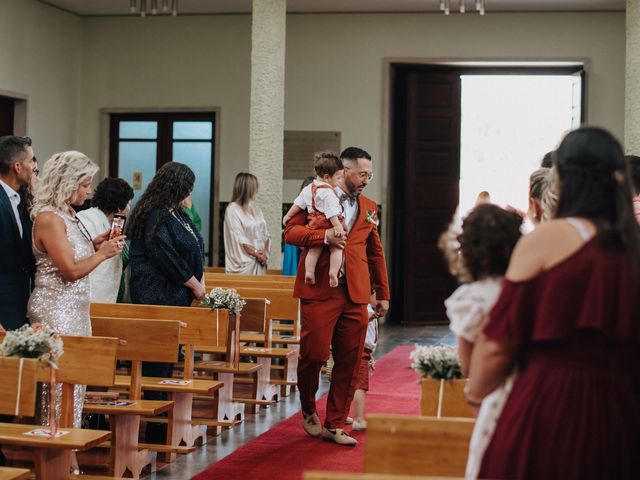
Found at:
(324, 211)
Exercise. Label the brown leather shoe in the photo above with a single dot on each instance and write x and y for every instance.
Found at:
(311, 424)
(338, 436)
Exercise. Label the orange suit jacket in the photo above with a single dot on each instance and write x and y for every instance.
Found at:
(364, 257)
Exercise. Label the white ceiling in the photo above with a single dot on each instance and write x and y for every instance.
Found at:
(121, 7)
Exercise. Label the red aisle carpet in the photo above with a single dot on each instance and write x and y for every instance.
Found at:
(285, 451)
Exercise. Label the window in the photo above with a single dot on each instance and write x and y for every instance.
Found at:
(142, 143)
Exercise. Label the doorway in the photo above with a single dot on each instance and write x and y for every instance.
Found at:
(457, 131)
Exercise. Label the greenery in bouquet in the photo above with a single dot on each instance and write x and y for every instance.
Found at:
(440, 362)
(38, 342)
(224, 298)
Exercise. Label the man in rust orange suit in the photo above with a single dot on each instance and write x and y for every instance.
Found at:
(337, 317)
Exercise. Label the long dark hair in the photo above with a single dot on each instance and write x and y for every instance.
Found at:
(172, 183)
(595, 183)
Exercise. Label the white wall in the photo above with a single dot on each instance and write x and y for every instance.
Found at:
(334, 72)
(40, 57)
(71, 67)
(166, 62)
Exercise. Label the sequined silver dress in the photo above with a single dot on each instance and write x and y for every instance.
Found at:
(63, 306)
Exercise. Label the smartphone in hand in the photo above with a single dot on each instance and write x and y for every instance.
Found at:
(117, 226)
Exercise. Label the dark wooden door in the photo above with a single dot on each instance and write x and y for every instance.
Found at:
(426, 176)
(7, 106)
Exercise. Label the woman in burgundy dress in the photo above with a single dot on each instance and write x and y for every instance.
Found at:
(569, 319)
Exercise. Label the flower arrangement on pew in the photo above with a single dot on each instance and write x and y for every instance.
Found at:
(227, 298)
(439, 362)
(39, 342)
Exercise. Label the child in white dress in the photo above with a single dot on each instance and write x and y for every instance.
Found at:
(325, 211)
(479, 257)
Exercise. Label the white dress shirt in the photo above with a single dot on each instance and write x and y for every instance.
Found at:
(350, 209)
(14, 198)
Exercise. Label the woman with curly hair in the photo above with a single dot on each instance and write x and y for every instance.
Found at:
(111, 197)
(65, 256)
(479, 257)
(166, 257)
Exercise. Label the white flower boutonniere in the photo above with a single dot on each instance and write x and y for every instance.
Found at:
(372, 217)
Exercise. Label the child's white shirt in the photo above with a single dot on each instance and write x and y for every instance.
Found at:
(326, 201)
(469, 306)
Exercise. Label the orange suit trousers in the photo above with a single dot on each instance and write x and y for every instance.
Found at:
(341, 324)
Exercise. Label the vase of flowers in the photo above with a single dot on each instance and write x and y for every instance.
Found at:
(442, 383)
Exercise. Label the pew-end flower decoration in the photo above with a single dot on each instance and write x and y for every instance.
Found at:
(226, 298)
(440, 362)
(39, 342)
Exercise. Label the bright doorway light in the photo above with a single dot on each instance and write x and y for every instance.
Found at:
(508, 123)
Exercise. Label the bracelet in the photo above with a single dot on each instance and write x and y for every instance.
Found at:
(471, 398)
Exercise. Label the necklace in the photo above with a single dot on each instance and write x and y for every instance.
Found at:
(186, 226)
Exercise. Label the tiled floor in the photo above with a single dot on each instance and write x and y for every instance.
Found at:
(217, 448)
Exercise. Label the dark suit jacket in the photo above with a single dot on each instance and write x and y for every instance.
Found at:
(17, 265)
(364, 258)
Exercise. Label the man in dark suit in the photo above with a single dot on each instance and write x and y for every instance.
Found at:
(17, 264)
(338, 316)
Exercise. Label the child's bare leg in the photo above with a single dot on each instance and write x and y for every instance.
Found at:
(310, 262)
(335, 262)
(358, 405)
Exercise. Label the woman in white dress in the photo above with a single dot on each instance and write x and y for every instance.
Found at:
(112, 196)
(246, 239)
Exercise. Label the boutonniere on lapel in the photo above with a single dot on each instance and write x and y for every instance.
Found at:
(372, 217)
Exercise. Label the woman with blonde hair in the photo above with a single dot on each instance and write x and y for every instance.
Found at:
(246, 239)
(65, 255)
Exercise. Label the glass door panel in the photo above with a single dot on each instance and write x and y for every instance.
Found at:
(197, 155)
(137, 165)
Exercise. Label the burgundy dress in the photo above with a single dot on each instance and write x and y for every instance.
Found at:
(574, 411)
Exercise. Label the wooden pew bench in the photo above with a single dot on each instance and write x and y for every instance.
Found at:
(200, 325)
(368, 476)
(149, 341)
(444, 399)
(283, 310)
(52, 456)
(8, 473)
(412, 445)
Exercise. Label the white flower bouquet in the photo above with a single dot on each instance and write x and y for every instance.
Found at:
(440, 362)
(38, 342)
(224, 298)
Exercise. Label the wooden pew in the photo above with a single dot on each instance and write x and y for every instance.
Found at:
(284, 311)
(124, 421)
(412, 445)
(270, 271)
(201, 325)
(160, 344)
(444, 398)
(256, 282)
(8, 473)
(368, 476)
(255, 327)
(52, 456)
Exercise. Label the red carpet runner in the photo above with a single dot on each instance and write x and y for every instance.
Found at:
(285, 451)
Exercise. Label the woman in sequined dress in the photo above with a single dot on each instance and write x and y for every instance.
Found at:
(65, 255)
